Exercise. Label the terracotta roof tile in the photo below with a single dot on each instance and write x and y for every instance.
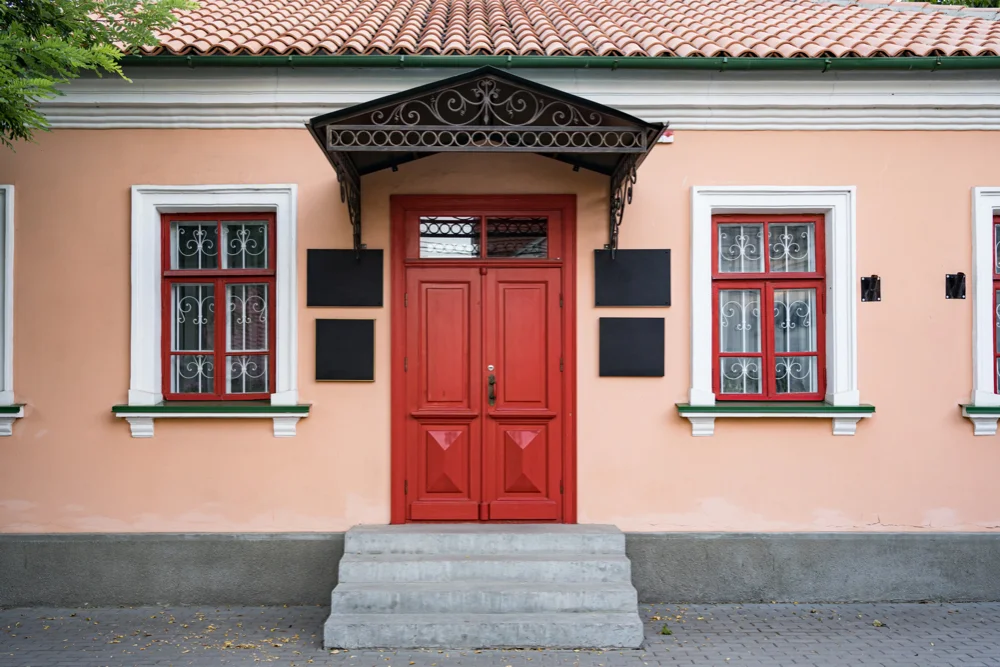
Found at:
(657, 28)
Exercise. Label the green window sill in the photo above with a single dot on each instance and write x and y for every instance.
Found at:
(983, 418)
(140, 417)
(845, 418)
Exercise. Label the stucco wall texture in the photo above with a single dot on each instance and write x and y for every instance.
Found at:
(72, 467)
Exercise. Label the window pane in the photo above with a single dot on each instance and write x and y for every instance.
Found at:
(792, 247)
(517, 237)
(247, 317)
(192, 374)
(245, 244)
(796, 375)
(194, 317)
(246, 374)
(740, 375)
(793, 320)
(739, 320)
(449, 237)
(740, 248)
(195, 245)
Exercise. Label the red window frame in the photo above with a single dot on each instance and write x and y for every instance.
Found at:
(996, 304)
(219, 278)
(767, 282)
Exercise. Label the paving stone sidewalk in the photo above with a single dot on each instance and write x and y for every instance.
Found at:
(773, 635)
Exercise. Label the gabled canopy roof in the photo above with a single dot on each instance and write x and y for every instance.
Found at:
(485, 110)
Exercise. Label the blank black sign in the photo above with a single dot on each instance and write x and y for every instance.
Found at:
(632, 278)
(345, 350)
(342, 278)
(631, 347)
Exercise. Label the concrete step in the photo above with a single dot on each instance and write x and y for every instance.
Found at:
(475, 597)
(525, 568)
(484, 539)
(548, 630)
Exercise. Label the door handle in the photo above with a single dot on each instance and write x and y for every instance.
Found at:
(492, 389)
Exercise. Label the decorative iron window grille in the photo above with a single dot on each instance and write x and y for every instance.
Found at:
(486, 110)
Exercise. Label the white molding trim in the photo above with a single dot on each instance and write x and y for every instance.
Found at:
(847, 425)
(703, 425)
(7, 422)
(207, 97)
(838, 204)
(985, 201)
(983, 424)
(141, 424)
(148, 203)
(141, 427)
(7, 294)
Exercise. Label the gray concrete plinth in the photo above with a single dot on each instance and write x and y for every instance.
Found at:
(484, 586)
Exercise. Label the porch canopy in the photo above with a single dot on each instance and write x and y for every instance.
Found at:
(487, 110)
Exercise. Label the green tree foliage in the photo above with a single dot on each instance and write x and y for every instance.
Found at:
(44, 43)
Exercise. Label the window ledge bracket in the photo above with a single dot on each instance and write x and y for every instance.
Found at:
(984, 418)
(845, 418)
(140, 417)
(8, 414)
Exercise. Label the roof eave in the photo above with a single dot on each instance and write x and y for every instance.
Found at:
(723, 64)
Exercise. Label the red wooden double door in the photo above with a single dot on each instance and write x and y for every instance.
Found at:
(482, 407)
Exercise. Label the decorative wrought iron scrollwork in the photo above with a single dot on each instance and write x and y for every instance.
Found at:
(486, 115)
(487, 110)
(434, 139)
(350, 194)
(485, 101)
(497, 227)
(622, 181)
(440, 227)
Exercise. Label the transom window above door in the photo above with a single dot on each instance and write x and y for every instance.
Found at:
(212, 352)
(483, 237)
(769, 304)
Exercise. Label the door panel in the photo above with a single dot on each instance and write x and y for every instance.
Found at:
(523, 341)
(447, 480)
(444, 433)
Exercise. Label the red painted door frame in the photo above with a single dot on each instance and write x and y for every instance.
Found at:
(565, 207)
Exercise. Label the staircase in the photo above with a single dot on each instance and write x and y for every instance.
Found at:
(484, 586)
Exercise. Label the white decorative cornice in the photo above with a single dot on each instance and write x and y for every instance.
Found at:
(286, 98)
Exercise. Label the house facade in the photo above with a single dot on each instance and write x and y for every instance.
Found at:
(724, 275)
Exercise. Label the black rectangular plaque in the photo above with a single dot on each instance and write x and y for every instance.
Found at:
(631, 347)
(632, 278)
(345, 350)
(343, 278)
(954, 285)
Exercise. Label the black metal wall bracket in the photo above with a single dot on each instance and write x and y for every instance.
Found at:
(622, 181)
(954, 285)
(350, 194)
(871, 288)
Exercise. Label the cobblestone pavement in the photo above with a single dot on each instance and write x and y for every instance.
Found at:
(775, 635)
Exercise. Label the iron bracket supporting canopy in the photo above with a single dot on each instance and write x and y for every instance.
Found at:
(484, 110)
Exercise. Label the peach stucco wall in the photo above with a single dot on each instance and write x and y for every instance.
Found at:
(71, 466)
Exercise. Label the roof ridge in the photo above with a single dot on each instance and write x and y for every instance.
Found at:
(988, 13)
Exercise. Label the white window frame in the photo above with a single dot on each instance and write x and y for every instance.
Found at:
(7, 417)
(838, 205)
(985, 204)
(149, 202)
